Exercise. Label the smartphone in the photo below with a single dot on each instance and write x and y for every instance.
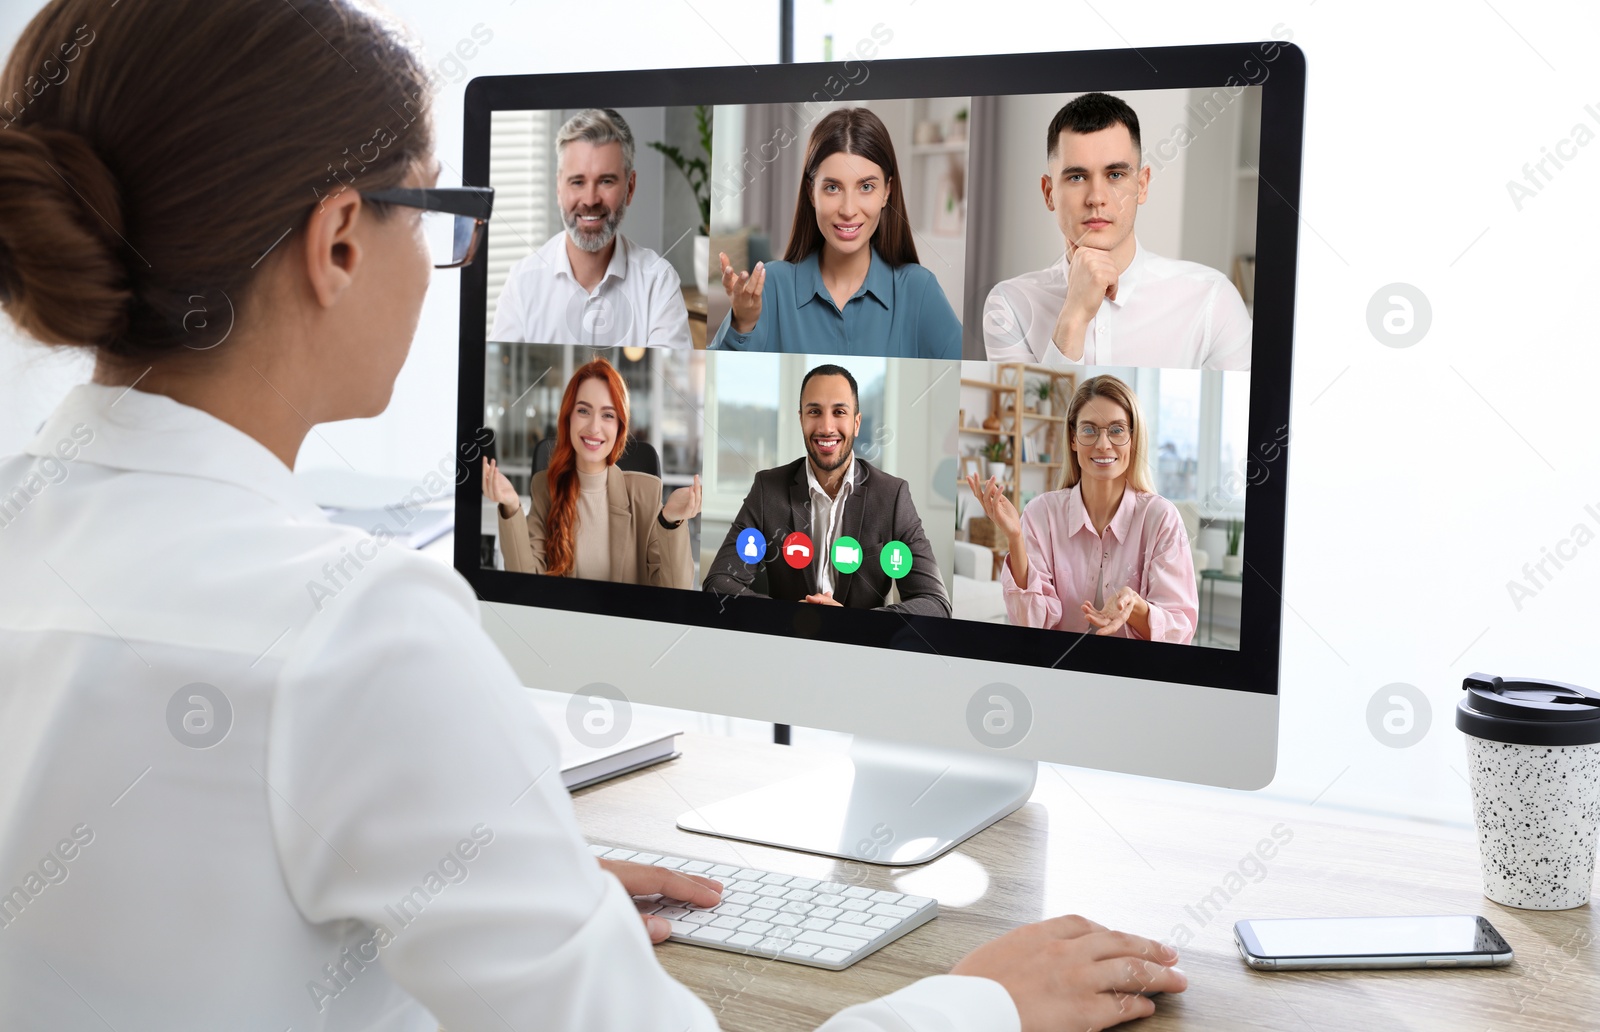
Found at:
(1283, 944)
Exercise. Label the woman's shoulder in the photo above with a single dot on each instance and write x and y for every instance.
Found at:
(641, 486)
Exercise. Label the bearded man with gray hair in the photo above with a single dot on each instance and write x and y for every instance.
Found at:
(589, 284)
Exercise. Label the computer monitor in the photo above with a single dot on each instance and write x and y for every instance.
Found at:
(915, 223)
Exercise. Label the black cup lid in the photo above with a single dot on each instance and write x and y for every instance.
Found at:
(1526, 711)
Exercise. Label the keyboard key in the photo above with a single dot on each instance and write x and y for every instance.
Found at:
(645, 858)
(776, 879)
(741, 898)
(743, 939)
(831, 913)
(706, 933)
(829, 939)
(802, 883)
(795, 907)
(617, 854)
(682, 928)
(672, 913)
(777, 891)
(882, 896)
(800, 949)
(816, 924)
(801, 895)
(672, 863)
(786, 919)
(744, 886)
(830, 886)
(699, 917)
(881, 922)
(723, 871)
(854, 931)
(757, 927)
(916, 902)
(599, 850)
(828, 899)
(730, 909)
(695, 867)
(857, 904)
(645, 906)
(857, 892)
(853, 917)
(832, 956)
(727, 921)
(749, 874)
(786, 934)
(890, 910)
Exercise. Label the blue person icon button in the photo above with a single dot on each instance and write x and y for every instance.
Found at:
(752, 545)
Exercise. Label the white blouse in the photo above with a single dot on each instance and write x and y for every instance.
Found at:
(261, 771)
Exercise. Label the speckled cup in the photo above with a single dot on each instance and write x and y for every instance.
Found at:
(1533, 759)
(1537, 808)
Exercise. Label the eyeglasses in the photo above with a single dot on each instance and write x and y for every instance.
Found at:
(1089, 434)
(452, 218)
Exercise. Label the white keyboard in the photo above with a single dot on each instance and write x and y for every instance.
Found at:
(779, 916)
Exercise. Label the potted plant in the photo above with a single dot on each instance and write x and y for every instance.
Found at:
(1233, 562)
(697, 170)
(1044, 389)
(999, 467)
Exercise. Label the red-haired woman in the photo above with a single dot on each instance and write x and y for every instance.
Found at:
(591, 519)
(849, 282)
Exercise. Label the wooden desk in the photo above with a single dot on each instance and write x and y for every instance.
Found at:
(1141, 856)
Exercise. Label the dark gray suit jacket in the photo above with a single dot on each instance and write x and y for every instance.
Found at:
(878, 511)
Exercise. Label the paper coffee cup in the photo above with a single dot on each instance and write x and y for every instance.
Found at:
(1533, 755)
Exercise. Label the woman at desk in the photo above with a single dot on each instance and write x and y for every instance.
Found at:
(1104, 553)
(590, 518)
(340, 807)
(850, 282)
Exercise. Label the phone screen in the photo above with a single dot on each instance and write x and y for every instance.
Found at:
(1371, 936)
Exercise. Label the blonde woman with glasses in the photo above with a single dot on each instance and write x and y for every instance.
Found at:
(1104, 553)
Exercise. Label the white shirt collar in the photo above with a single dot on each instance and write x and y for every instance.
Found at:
(617, 267)
(844, 488)
(139, 431)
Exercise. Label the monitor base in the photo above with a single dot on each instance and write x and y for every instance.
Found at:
(890, 803)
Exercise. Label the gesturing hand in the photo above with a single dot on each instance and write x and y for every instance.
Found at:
(647, 880)
(1069, 974)
(744, 290)
(997, 506)
(497, 488)
(1110, 618)
(683, 503)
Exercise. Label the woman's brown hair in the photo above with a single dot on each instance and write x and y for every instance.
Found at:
(561, 525)
(153, 154)
(859, 132)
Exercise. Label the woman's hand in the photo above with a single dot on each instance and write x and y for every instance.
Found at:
(744, 290)
(683, 503)
(1125, 605)
(997, 506)
(1069, 974)
(646, 880)
(498, 489)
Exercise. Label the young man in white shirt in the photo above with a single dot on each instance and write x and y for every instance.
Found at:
(1108, 301)
(589, 284)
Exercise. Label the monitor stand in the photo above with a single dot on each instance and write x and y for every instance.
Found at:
(891, 803)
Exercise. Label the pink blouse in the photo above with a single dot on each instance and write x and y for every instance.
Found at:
(1144, 547)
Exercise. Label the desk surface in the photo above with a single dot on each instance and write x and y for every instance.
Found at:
(1142, 856)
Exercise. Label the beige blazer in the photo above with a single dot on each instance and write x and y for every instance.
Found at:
(642, 550)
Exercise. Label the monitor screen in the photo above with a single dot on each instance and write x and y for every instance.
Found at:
(982, 357)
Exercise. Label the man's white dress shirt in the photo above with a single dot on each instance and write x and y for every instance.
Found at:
(827, 519)
(637, 303)
(1168, 313)
(259, 771)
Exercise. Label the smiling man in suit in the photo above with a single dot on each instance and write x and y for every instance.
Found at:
(830, 494)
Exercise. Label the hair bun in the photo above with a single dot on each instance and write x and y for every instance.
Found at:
(62, 277)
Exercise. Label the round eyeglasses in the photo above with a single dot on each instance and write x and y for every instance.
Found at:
(1088, 434)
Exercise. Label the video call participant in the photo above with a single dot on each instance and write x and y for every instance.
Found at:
(590, 284)
(1107, 300)
(830, 494)
(589, 518)
(1104, 553)
(849, 282)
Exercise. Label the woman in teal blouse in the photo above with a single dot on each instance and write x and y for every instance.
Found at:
(850, 282)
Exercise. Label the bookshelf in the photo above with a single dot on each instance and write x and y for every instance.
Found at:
(1035, 441)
